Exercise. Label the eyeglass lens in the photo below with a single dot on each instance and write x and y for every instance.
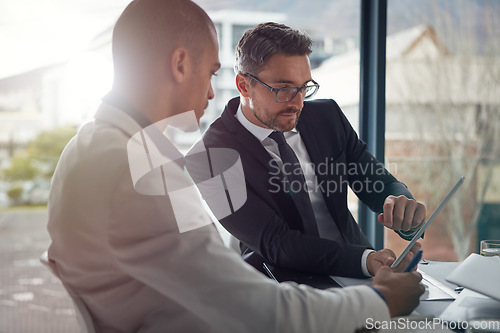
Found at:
(287, 94)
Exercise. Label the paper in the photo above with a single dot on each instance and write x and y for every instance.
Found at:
(470, 305)
(478, 273)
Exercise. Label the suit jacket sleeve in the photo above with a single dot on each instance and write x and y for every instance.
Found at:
(364, 168)
(378, 182)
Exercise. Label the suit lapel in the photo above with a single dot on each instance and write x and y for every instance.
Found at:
(311, 142)
(245, 139)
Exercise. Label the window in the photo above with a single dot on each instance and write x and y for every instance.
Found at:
(443, 118)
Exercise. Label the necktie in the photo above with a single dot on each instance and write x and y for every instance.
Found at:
(295, 183)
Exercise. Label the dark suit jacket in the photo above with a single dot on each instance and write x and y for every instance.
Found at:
(269, 224)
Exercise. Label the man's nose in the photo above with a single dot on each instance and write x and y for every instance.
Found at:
(298, 100)
(211, 93)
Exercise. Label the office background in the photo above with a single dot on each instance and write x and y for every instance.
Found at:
(419, 80)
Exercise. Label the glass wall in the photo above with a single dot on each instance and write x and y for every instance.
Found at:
(443, 116)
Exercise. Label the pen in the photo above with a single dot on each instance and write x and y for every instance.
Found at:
(414, 261)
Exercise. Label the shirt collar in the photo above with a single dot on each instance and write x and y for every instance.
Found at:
(260, 133)
(115, 100)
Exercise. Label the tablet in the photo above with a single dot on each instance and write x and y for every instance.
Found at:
(428, 222)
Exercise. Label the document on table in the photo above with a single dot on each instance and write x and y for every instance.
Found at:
(478, 273)
(434, 290)
(470, 305)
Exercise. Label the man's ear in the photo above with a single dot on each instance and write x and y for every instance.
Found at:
(243, 84)
(179, 64)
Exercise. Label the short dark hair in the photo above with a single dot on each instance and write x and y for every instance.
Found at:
(258, 44)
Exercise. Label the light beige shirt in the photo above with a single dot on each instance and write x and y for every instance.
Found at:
(123, 254)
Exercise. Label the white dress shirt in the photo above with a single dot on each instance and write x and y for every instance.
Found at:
(123, 254)
(327, 227)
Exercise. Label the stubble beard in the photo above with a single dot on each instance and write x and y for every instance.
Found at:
(273, 122)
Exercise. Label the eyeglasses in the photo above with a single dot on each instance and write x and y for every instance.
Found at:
(286, 94)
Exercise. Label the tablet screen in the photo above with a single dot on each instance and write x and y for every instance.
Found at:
(428, 222)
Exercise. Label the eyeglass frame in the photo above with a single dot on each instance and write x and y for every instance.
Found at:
(277, 90)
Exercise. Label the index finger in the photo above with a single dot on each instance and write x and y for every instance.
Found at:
(404, 263)
(416, 247)
(388, 209)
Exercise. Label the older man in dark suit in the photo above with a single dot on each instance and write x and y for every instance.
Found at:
(297, 169)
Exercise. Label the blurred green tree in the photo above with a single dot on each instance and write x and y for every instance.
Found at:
(36, 164)
(47, 147)
(21, 168)
(15, 193)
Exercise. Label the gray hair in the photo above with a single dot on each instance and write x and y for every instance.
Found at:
(263, 41)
